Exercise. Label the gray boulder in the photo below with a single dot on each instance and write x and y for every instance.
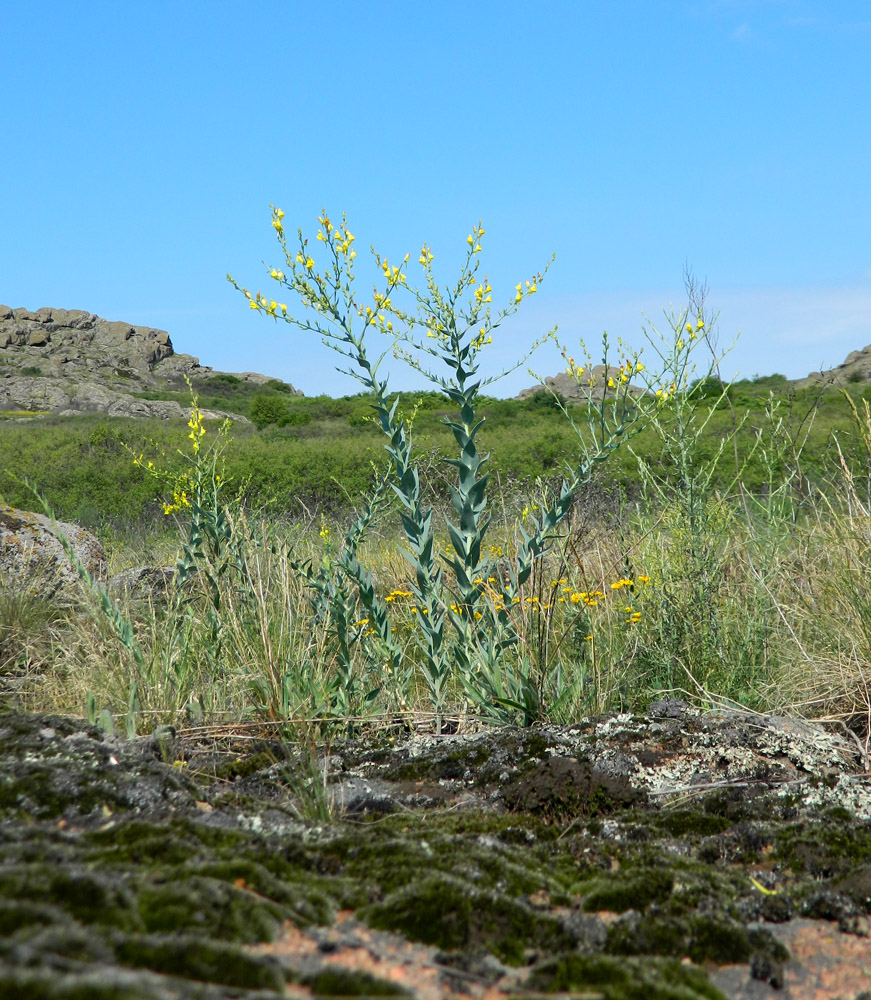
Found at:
(143, 583)
(33, 559)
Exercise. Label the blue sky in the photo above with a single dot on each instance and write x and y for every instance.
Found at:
(145, 142)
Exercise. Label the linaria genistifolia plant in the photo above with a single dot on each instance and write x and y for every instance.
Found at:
(464, 624)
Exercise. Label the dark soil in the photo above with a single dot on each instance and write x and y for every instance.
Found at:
(672, 856)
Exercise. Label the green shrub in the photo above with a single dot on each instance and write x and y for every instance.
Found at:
(267, 409)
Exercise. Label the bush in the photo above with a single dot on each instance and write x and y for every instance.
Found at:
(267, 409)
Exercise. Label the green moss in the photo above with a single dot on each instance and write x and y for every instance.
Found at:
(689, 822)
(306, 901)
(703, 937)
(145, 844)
(449, 913)
(44, 984)
(16, 914)
(824, 848)
(624, 979)
(89, 897)
(193, 957)
(207, 905)
(243, 767)
(393, 853)
(337, 982)
(632, 890)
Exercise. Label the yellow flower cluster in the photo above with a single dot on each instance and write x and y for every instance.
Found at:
(262, 304)
(179, 502)
(341, 238)
(520, 292)
(482, 339)
(392, 596)
(394, 275)
(198, 428)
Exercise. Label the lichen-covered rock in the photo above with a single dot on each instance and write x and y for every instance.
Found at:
(33, 559)
(178, 864)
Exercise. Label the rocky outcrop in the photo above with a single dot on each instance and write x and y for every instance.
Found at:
(65, 336)
(856, 367)
(32, 558)
(68, 361)
(591, 387)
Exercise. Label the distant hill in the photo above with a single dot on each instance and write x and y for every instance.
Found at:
(67, 362)
(855, 369)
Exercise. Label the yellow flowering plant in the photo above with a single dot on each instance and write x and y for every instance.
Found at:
(462, 626)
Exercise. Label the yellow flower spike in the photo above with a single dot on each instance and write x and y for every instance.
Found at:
(309, 263)
(611, 383)
(283, 308)
(470, 240)
(277, 226)
(689, 328)
(700, 325)
(253, 305)
(279, 213)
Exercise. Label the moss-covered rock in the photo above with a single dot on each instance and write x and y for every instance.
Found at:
(599, 856)
(445, 911)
